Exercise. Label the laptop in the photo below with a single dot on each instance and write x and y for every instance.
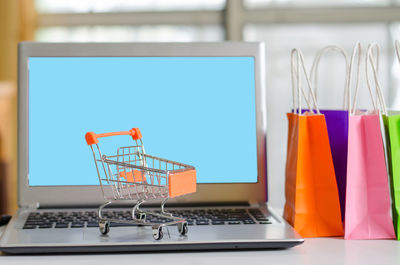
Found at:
(201, 104)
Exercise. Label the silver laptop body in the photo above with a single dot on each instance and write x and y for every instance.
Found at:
(271, 232)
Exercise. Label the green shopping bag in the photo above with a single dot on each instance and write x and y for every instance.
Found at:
(392, 132)
(391, 122)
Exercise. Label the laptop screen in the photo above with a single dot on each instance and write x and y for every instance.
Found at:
(195, 110)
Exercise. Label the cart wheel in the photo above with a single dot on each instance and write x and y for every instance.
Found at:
(157, 233)
(141, 216)
(104, 227)
(183, 228)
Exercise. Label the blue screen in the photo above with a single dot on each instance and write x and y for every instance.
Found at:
(195, 110)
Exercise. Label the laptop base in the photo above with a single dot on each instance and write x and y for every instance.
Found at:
(274, 235)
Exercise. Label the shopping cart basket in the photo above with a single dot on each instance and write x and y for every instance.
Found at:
(133, 175)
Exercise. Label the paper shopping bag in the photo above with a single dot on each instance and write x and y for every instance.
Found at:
(337, 122)
(367, 195)
(391, 123)
(392, 129)
(312, 201)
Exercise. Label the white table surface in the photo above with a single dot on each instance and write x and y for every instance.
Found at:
(321, 251)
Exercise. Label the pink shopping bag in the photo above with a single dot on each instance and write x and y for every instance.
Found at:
(367, 191)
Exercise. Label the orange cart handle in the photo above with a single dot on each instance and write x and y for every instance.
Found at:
(92, 138)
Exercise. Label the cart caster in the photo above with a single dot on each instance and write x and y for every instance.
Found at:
(104, 227)
(140, 216)
(157, 233)
(183, 228)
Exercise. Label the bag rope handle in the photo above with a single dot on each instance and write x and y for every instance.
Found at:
(296, 82)
(315, 66)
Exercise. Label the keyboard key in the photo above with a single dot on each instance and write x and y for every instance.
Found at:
(234, 223)
(92, 224)
(29, 227)
(218, 222)
(46, 226)
(77, 225)
(264, 223)
(121, 224)
(61, 225)
(33, 223)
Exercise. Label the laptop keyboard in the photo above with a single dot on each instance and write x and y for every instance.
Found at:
(81, 219)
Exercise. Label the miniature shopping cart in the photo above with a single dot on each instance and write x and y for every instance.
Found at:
(133, 175)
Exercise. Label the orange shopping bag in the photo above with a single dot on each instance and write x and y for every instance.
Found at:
(312, 201)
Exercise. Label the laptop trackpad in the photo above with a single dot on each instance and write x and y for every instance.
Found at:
(204, 233)
(131, 234)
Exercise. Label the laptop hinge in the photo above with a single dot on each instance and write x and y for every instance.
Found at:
(255, 203)
(31, 206)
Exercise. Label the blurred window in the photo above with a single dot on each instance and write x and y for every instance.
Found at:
(77, 29)
(161, 33)
(311, 3)
(84, 6)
